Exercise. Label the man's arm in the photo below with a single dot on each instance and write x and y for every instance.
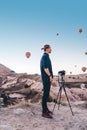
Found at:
(48, 73)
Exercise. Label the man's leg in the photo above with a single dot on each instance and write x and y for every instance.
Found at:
(46, 92)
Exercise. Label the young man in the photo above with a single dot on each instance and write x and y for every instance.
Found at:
(47, 77)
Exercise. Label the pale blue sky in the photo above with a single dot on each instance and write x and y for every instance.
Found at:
(26, 25)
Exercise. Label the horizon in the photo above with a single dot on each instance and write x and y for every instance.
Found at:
(27, 25)
(55, 75)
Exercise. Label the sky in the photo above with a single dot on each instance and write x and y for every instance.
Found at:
(27, 25)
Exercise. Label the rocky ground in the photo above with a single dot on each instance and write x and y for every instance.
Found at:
(28, 117)
(20, 102)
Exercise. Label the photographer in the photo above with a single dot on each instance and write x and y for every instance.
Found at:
(47, 77)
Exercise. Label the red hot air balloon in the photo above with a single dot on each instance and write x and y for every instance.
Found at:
(80, 30)
(28, 54)
(84, 69)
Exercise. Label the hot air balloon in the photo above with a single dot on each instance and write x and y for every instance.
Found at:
(75, 65)
(57, 34)
(70, 72)
(84, 69)
(28, 54)
(80, 30)
(85, 53)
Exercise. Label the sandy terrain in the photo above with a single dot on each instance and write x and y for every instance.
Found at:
(29, 118)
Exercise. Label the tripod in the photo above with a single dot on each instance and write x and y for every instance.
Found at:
(62, 86)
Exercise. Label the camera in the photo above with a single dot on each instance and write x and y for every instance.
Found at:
(61, 73)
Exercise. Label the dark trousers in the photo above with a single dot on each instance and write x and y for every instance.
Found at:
(46, 91)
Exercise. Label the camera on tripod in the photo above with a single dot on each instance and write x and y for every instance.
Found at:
(61, 80)
(61, 76)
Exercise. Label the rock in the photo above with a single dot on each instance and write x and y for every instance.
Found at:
(30, 87)
(82, 94)
(4, 70)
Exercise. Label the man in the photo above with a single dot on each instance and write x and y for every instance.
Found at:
(47, 77)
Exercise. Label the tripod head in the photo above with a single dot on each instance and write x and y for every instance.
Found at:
(61, 76)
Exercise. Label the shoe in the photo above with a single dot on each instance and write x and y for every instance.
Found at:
(50, 112)
(47, 115)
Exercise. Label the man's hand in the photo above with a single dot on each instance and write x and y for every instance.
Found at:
(51, 79)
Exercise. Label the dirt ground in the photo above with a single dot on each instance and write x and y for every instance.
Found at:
(29, 118)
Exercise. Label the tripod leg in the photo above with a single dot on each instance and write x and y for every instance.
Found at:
(68, 101)
(57, 99)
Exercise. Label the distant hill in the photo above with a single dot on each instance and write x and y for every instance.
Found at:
(4, 70)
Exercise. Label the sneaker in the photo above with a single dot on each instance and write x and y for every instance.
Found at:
(47, 115)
